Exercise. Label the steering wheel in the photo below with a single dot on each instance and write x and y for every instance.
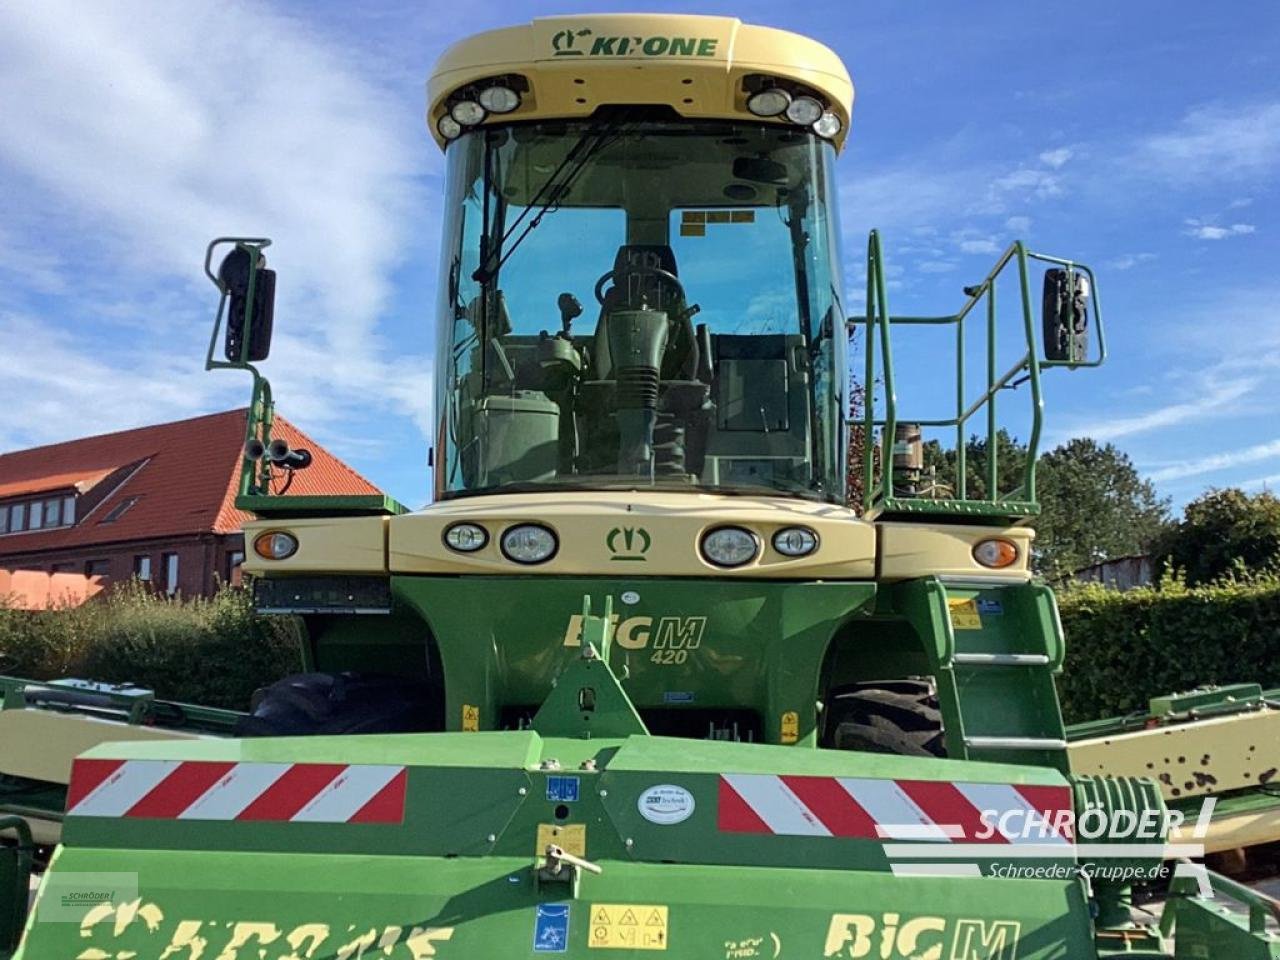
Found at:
(638, 269)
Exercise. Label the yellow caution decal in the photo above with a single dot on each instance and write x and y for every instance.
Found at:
(964, 614)
(470, 717)
(628, 926)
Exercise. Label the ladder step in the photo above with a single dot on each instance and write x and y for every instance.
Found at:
(1001, 659)
(1015, 743)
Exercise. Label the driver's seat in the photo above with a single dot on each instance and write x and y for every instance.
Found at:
(653, 290)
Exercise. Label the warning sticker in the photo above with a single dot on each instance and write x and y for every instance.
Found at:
(470, 717)
(628, 926)
(569, 837)
(551, 928)
(964, 614)
(790, 728)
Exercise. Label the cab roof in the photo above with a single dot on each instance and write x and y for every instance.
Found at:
(702, 67)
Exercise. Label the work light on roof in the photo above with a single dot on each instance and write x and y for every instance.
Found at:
(467, 112)
(769, 102)
(804, 110)
(828, 125)
(499, 99)
(448, 127)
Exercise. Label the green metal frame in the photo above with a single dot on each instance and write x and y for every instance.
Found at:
(878, 496)
(255, 476)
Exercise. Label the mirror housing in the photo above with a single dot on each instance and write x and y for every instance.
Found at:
(1065, 316)
(238, 273)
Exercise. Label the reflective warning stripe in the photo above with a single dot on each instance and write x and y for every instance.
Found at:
(911, 810)
(219, 790)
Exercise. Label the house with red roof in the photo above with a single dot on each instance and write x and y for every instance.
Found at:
(156, 503)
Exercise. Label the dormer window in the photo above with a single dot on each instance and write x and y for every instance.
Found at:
(45, 513)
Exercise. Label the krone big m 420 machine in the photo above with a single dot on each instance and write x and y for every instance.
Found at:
(639, 682)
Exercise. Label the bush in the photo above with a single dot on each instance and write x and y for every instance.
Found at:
(213, 652)
(1124, 648)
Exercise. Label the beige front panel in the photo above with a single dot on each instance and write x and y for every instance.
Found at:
(339, 545)
(40, 744)
(910, 550)
(665, 531)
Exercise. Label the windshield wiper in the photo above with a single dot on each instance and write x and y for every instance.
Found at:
(553, 189)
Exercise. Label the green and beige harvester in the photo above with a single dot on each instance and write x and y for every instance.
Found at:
(639, 682)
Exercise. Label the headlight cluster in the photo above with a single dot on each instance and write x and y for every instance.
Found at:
(525, 543)
(802, 107)
(470, 105)
(731, 547)
(275, 545)
(995, 554)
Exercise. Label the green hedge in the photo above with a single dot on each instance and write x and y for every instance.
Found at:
(213, 652)
(1124, 648)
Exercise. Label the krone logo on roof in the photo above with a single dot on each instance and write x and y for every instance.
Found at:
(583, 42)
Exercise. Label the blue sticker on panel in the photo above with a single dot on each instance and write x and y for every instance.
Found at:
(551, 927)
(992, 608)
(562, 789)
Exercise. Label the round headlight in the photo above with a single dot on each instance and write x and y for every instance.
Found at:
(730, 546)
(275, 545)
(995, 554)
(802, 110)
(499, 99)
(468, 112)
(795, 541)
(449, 128)
(769, 103)
(827, 125)
(529, 543)
(466, 537)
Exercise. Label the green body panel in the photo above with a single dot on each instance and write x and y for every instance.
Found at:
(681, 645)
(303, 905)
(271, 507)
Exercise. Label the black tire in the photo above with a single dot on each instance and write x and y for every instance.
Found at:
(887, 716)
(311, 704)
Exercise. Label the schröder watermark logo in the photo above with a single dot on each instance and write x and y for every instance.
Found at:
(1019, 841)
(583, 42)
(66, 897)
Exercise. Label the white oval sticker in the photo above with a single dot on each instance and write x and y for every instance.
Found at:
(630, 597)
(666, 804)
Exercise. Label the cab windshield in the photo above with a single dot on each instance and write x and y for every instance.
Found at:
(639, 304)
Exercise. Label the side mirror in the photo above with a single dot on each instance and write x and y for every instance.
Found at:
(247, 315)
(1065, 319)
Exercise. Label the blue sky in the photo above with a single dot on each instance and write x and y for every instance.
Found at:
(1141, 138)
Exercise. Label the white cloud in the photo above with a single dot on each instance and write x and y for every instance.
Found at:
(1207, 401)
(1208, 231)
(1056, 158)
(139, 145)
(1218, 461)
(1018, 224)
(1215, 141)
(980, 246)
(1128, 261)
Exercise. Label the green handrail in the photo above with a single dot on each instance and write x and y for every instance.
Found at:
(878, 325)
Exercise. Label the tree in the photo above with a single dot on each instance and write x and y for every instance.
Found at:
(1011, 459)
(1094, 506)
(1224, 532)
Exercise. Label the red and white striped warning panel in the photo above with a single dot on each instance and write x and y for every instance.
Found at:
(909, 810)
(210, 790)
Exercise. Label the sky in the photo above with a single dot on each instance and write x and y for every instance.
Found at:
(1140, 138)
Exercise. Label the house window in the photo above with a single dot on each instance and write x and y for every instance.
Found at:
(4, 519)
(53, 513)
(234, 559)
(97, 568)
(142, 567)
(170, 563)
(68, 511)
(17, 516)
(119, 510)
(35, 514)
